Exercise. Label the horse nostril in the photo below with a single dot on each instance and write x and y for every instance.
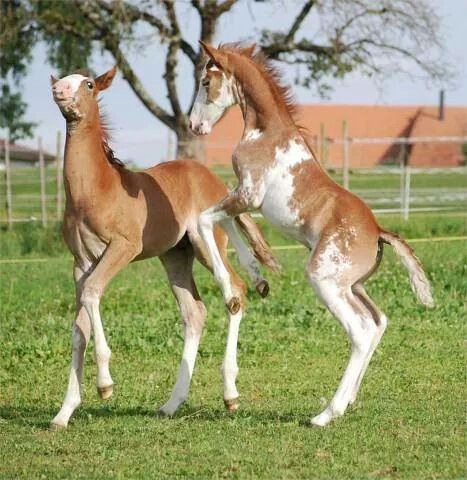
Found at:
(191, 125)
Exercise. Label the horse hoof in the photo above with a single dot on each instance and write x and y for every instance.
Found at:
(263, 288)
(232, 404)
(166, 411)
(105, 392)
(234, 305)
(55, 427)
(161, 413)
(322, 419)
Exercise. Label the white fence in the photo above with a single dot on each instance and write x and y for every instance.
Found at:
(36, 193)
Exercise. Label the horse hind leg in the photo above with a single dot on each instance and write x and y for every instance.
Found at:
(360, 328)
(380, 320)
(178, 264)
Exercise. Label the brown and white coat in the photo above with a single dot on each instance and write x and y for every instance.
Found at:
(114, 216)
(279, 176)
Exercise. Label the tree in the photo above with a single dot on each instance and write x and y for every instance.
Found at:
(353, 35)
(14, 55)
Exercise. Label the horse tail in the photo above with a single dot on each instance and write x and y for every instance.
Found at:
(418, 279)
(261, 249)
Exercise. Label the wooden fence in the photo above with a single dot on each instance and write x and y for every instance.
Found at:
(36, 193)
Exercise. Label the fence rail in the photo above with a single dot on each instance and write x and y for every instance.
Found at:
(36, 193)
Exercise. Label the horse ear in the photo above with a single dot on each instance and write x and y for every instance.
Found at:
(53, 80)
(215, 55)
(104, 81)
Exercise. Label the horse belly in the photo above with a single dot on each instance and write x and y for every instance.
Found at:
(278, 209)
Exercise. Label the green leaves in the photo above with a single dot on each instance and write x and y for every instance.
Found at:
(12, 112)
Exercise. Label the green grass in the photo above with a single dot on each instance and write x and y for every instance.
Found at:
(408, 422)
(371, 186)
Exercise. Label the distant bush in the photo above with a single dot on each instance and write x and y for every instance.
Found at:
(31, 238)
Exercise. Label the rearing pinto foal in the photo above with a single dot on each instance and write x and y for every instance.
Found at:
(279, 175)
(114, 216)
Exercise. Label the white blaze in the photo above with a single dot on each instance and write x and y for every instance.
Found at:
(74, 81)
(205, 114)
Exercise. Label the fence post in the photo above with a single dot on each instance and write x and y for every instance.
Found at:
(9, 206)
(402, 178)
(322, 135)
(407, 192)
(59, 175)
(42, 177)
(345, 153)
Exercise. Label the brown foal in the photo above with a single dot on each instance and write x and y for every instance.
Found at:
(114, 216)
(279, 175)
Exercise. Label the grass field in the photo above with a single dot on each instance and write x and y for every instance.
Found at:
(408, 422)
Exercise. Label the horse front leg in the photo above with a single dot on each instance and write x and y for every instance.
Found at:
(234, 204)
(119, 253)
(81, 332)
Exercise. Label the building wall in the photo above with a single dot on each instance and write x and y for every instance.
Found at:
(363, 122)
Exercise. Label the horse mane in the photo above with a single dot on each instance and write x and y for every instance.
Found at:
(106, 138)
(271, 74)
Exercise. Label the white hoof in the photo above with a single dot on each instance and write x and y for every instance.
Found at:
(57, 424)
(169, 409)
(322, 419)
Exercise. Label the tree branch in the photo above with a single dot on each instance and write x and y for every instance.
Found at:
(111, 44)
(299, 20)
(276, 48)
(225, 6)
(135, 14)
(171, 59)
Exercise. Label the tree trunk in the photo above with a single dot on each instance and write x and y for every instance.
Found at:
(190, 146)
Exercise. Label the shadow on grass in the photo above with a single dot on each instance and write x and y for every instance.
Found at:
(39, 417)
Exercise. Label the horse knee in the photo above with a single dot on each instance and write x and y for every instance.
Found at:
(90, 296)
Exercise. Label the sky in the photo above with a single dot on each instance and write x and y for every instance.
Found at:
(140, 137)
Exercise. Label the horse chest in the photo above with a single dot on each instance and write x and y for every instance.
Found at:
(86, 245)
(281, 205)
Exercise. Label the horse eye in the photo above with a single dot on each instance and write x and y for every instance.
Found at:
(90, 85)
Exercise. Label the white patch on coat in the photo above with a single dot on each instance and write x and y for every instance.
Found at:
(279, 185)
(332, 261)
(252, 135)
(254, 192)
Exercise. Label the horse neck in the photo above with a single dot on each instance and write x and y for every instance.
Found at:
(260, 109)
(86, 168)
(263, 112)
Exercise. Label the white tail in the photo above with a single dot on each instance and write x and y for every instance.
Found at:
(418, 280)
